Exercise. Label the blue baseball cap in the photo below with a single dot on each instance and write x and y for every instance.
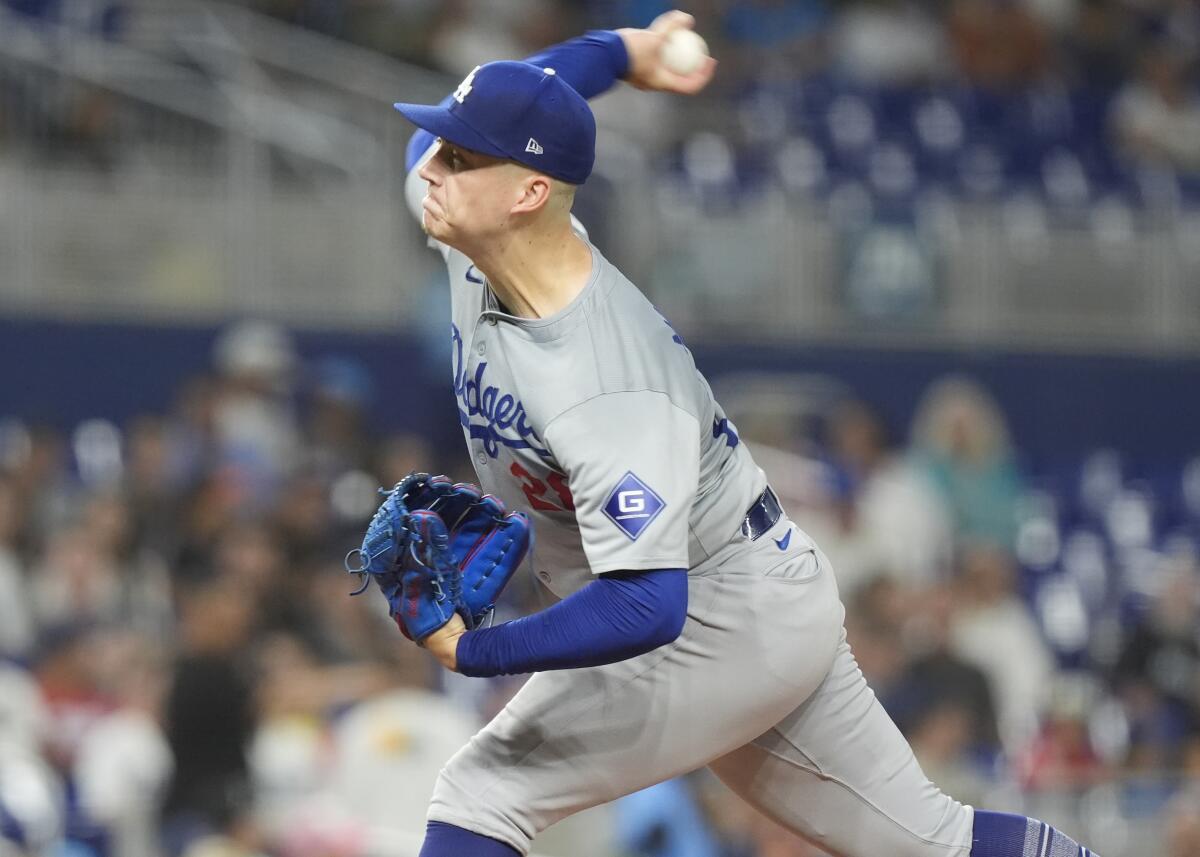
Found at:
(517, 111)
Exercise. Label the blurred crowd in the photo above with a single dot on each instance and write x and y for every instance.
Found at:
(1074, 102)
(1079, 99)
(183, 671)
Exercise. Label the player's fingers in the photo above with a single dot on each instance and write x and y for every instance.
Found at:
(689, 84)
(673, 20)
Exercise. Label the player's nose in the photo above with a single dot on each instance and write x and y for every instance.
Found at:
(430, 170)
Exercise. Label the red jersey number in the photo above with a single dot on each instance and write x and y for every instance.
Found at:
(535, 490)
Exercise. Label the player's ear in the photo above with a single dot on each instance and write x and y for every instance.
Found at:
(534, 192)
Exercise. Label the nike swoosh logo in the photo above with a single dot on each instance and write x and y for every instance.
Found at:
(475, 279)
(783, 543)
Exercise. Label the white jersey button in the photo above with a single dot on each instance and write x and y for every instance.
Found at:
(482, 459)
(544, 576)
(480, 348)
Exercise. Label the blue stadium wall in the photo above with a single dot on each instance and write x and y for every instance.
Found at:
(1147, 408)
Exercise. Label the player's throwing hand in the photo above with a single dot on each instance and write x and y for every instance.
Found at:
(647, 70)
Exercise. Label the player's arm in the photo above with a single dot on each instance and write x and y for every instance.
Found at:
(616, 617)
(632, 506)
(594, 62)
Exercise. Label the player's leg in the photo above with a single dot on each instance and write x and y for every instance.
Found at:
(838, 772)
(573, 739)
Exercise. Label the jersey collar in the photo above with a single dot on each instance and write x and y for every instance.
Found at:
(552, 326)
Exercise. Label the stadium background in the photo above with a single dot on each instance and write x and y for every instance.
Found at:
(941, 259)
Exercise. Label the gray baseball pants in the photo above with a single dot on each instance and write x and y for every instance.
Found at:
(760, 686)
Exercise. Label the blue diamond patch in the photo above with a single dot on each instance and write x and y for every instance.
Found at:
(633, 505)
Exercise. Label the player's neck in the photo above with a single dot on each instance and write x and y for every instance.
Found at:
(536, 274)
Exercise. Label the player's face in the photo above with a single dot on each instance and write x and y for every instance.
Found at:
(470, 195)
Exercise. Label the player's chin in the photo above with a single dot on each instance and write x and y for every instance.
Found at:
(433, 223)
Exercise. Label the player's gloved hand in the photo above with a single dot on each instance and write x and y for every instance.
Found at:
(487, 543)
(646, 68)
(436, 547)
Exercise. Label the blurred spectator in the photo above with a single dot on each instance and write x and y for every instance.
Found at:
(1183, 825)
(471, 32)
(1100, 48)
(208, 511)
(941, 740)
(38, 469)
(344, 630)
(388, 752)
(69, 686)
(940, 686)
(1157, 675)
(77, 580)
(31, 806)
(874, 622)
(665, 821)
(256, 427)
(23, 714)
(1156, 116)
(890, 42)
(90, 573)
(249, 557)
(124, 763)
(401, 454)
(1061, 756)
(16, 629)
(998, 44)
(896, 507)
(994, 630)
(337, 428)
(153, 486)
(961, 441)
(191, 431)
(304, 522)
(210, 717)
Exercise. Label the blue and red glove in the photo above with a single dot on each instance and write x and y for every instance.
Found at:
(436, 547)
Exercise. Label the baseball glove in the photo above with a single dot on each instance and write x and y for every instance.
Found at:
(436, 547)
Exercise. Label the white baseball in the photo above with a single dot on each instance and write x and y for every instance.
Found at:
(683, 51)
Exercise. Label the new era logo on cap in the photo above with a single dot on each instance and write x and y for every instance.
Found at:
(533, 146)
(633, 506)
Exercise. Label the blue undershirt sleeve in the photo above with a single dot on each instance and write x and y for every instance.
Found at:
(615, 617)
(591, 63)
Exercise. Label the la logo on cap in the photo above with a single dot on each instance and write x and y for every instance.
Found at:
(464, 88)
(533, 146)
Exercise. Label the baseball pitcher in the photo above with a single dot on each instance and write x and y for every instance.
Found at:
(697, 624)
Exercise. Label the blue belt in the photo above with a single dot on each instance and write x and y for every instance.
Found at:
(763, 514)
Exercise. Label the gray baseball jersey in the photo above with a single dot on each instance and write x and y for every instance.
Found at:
(596, 422)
